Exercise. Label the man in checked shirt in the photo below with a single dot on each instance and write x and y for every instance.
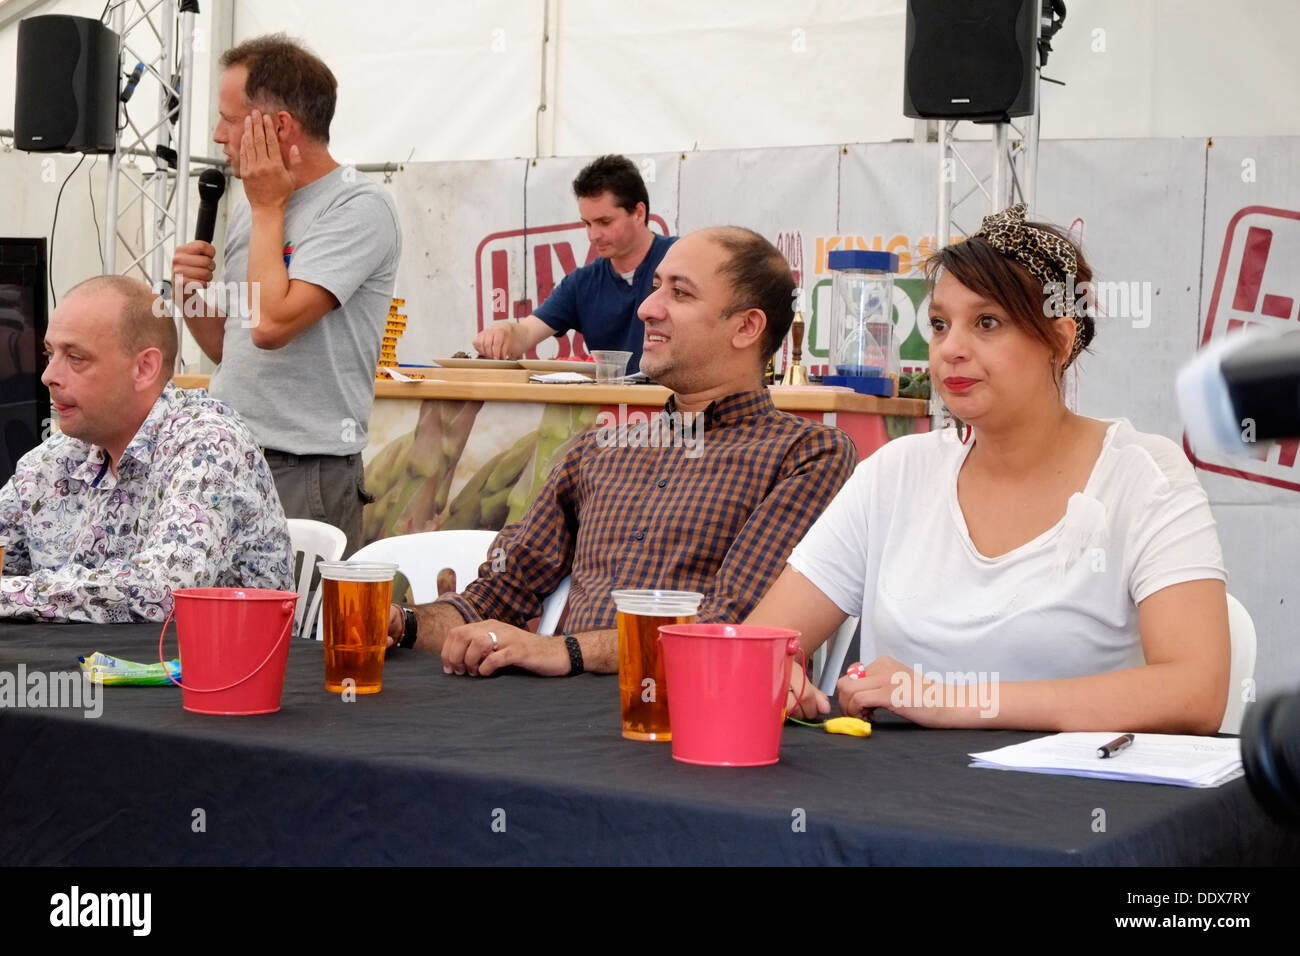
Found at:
(718, 516)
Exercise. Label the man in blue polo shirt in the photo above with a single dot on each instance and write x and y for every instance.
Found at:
(601, 298)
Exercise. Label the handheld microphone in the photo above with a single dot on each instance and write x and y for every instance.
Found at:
(211, 186)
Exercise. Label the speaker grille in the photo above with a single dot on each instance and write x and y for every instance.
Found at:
(969, 60)
(45, 107)
(65, 95)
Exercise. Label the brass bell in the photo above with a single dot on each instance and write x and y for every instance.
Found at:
(795, 373)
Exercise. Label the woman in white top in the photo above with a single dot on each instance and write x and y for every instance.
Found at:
(1045, 572)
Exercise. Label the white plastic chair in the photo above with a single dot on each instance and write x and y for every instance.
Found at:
(1241, 632)
(315, 541)
(421, 556)
(828, 660)
(553, 608)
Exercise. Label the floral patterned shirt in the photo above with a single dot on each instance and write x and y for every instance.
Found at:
(192, 505)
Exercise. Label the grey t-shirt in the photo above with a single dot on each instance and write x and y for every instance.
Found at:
(314, 395)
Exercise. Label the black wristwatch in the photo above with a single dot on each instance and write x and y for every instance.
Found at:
(409, 628)
(575, 654)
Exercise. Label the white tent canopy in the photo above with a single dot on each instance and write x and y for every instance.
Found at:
(464, 79)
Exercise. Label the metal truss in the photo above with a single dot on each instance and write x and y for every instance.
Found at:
(164, 205)
(1013, 167)
(1007, 174)
(1011, 176)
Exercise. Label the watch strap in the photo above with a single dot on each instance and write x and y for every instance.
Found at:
(575, 654)
(410, 627)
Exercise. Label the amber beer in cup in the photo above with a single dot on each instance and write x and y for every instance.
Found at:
(355, 597)
(641, 683)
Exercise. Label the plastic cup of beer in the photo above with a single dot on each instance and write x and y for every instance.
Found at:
(355, 597)
(641, 683)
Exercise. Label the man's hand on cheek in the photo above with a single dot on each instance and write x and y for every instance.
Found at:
(266, 180)
(482, 648)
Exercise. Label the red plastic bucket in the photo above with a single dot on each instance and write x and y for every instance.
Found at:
(730, 684)
(234, 645)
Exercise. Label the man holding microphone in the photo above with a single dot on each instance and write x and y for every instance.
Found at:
(318, 248)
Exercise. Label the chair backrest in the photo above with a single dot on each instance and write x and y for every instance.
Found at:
(553, 608)
(1241, 630)
(422, 555)
(315, 541)
(828, 661)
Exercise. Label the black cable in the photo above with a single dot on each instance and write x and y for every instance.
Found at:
(132, 80)
(55, 223)
(94, 217)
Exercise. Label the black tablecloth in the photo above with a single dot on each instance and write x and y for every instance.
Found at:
(519, 769)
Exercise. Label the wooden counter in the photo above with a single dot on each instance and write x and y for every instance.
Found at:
(471, 448)
(506, 385)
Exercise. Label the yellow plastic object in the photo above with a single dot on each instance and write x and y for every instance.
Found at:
(852, 726)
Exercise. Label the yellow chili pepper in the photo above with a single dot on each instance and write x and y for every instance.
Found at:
(852, 726)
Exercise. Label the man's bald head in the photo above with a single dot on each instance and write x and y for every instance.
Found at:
(760, 279)
(143, 320)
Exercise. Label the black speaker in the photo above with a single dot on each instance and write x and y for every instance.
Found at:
(66, 98)
(970, 59)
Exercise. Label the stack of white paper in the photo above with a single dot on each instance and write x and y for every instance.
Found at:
(1182, 761)
(562, 378)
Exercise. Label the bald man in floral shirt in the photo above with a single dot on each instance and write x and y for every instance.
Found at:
(146, 488)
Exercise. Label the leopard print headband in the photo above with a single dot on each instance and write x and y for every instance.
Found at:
(1048, 258)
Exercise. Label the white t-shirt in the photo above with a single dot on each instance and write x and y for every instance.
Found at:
(893, 548)
(314, 395)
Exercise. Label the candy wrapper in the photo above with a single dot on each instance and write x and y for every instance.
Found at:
(103, 669)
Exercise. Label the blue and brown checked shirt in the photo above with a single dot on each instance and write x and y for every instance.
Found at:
(719, 518)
